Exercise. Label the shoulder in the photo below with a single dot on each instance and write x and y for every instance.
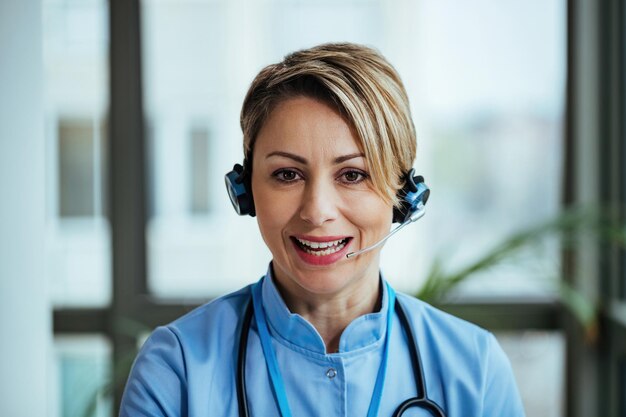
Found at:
(163, 370)
(205, 331)
(448, 334)
(445, 326)
(450, 342)
(220, 314)
(454, 347)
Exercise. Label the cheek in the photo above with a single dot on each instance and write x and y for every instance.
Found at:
(273, 212)
(371, 214)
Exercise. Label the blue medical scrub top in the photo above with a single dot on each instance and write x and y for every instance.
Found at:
(187, 368)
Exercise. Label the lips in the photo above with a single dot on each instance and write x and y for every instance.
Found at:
(321, 250)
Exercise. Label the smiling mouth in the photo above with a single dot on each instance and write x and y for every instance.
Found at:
(321, 248)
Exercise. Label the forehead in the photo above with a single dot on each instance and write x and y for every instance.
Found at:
(306, 126)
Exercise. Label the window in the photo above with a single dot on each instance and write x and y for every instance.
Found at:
(75, 48)
(537, 356)
(487, 99)
(82, 372)
(77, 251)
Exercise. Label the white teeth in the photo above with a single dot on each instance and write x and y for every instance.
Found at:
(322, 245)
(328, 247)
(325, 251)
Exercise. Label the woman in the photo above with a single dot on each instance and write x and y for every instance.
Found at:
(329, 144)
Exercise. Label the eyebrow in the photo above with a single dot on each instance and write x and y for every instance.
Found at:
(297, 158)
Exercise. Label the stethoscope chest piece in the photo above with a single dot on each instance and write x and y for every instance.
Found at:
(421, 403)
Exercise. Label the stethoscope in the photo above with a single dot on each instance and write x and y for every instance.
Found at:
(420, 401)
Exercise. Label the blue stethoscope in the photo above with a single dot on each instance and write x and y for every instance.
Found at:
(255, 309)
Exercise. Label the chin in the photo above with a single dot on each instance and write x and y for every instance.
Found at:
(327, 281)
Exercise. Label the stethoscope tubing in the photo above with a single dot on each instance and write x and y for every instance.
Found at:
(421, 401)
(418, 372)
(241, 361)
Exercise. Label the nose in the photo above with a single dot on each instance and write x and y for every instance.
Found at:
(319, 203)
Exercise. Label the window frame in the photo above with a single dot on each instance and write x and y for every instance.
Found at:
(594, 172)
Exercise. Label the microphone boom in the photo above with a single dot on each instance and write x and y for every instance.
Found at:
(413, 218)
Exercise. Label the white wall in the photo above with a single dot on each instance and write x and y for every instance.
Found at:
(25, 324)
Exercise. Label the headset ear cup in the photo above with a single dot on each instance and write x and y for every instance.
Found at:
(239, 190)
(412, 193)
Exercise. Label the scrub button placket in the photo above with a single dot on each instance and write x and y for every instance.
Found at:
(331, 373)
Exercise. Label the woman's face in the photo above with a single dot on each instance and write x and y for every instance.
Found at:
(315, 202)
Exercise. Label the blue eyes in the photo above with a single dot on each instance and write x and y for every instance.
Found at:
(348, 176)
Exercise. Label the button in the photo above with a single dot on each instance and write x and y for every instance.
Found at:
(331, 373)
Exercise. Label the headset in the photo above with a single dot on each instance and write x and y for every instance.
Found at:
(412, 196)
(239, 187)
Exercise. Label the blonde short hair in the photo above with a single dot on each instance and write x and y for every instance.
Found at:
(362, 86)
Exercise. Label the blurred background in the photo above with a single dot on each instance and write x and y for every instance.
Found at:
(119, 119)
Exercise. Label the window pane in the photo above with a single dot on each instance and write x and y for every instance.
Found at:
(199, 158)
(538, 360)
(492, 102)
(76, 99)
(80, 185)
(81, 374)
(486, 99)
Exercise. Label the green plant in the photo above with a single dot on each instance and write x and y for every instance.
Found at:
(569, 227)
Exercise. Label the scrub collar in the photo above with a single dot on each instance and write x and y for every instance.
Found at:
(362, 333)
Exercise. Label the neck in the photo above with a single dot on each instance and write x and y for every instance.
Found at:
(331, 314)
